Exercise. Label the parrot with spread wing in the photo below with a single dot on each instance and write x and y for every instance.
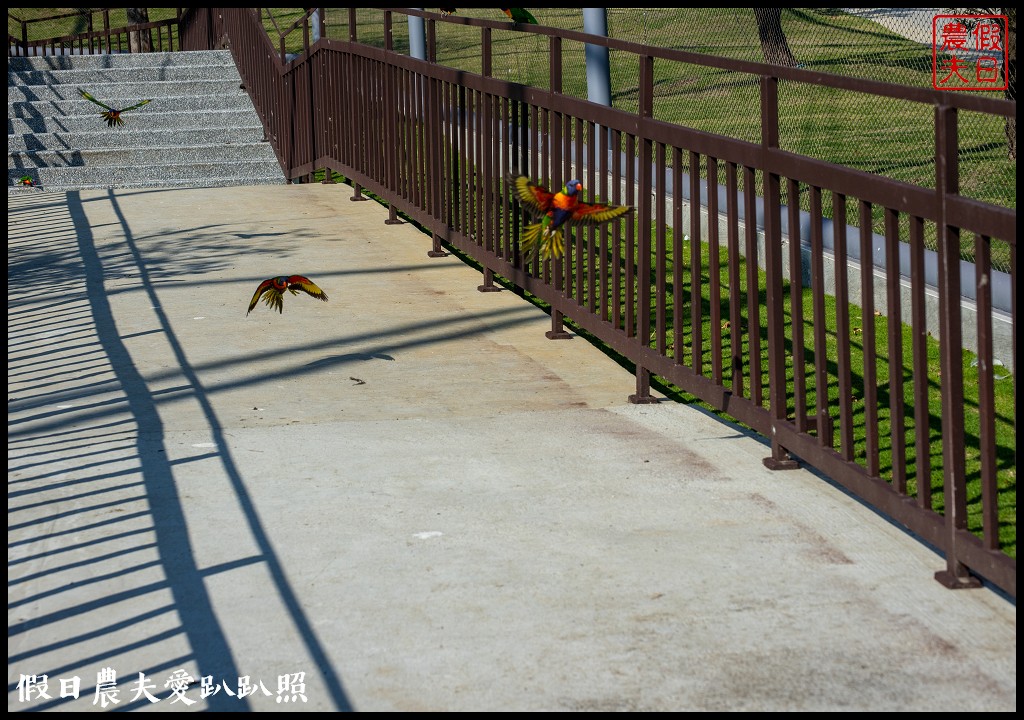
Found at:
(557, 210)
(27, 181)
(112, 116)
(272, 290)
(520, 15)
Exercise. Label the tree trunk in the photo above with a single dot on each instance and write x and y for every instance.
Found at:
(773, 39)
(138, 40)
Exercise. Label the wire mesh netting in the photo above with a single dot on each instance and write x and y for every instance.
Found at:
(884, 136)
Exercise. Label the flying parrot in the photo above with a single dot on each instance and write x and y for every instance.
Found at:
(26, 180)
(112, 116)
(273, 291)
(448, 11)
(556, 210)
(520, 15)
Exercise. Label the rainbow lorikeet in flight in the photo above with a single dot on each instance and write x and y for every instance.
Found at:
(27, 181)
(273, 290)
(112, 116)
(556, 210)
(520, 15)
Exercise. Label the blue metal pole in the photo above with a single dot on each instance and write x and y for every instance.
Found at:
(417, 37)
(599, 81)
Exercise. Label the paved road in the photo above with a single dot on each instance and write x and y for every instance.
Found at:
(407, 498)
(912, 23)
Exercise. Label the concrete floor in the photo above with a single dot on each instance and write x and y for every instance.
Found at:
(407, 498)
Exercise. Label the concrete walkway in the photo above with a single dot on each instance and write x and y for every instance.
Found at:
(912, 23)
(407, 498)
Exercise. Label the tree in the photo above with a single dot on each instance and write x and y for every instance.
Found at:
(1010, 48)
(1010, 127)
(773, 39)
(139, 40)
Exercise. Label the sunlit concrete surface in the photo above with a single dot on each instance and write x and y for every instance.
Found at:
(407, 497)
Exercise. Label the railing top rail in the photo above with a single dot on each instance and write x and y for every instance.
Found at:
(60, 16)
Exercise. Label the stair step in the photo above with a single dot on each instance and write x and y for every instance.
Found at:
(84, 77)
(122, 94)
(227, 181)
(131, 156)
(143, 120)
(104, 139)
(236, 100)
(198, 174)
(177, 58)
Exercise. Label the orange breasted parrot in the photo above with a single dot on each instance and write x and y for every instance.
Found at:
(26, 180)
(556, 210)
(112, 116)
(273, 291)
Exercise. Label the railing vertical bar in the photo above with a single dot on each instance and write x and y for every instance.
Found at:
(589, 256)
(715, 272)
(505, 210)
(678, 330)
(646, 190)
(445, 190)
(922, 379)
(774, 280)
(696, 265)
(947, 183)
(630, 295)
(542, 159)
(496, 181)
(986, 394)
(556, 173)
(487, 167)
(435, 165)
(479, 112)
(735, 307)
(753, 324)
(414, 139)
(464, 160)
(826, 436)
(796, 307)
(897, 414)
(559, 172)
(617, 280)
(569, 172)
(660, 251)
(868, 342)
(603, 252)
(842, 295)
(582, 256)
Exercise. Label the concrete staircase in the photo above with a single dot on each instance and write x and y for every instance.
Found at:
(201, 129)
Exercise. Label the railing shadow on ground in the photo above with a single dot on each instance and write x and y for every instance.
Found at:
(96, 520)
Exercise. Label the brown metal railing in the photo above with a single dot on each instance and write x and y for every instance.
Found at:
(98, 39)
(708, 302)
